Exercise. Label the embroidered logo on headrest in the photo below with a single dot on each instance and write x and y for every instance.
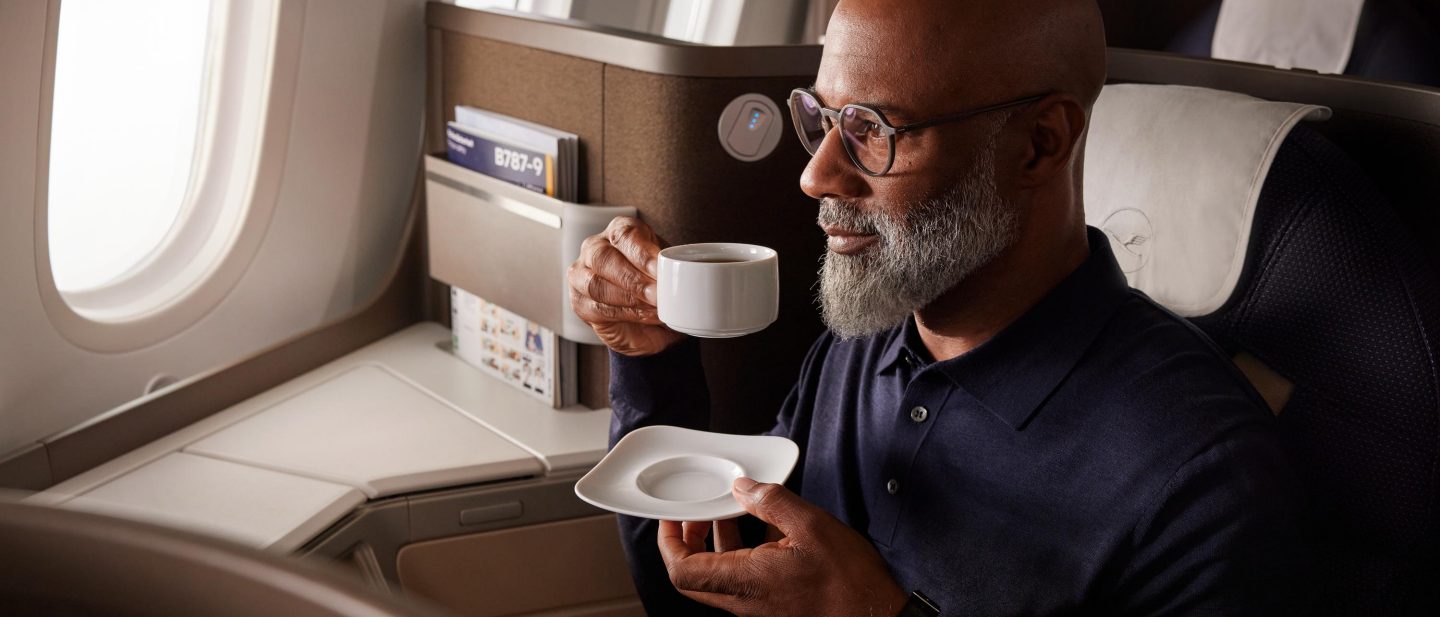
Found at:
(1130, 235)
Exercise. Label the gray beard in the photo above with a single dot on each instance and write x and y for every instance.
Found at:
(922, 253)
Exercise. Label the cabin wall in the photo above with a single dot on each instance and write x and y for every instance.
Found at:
(649, 141)
(335, 236)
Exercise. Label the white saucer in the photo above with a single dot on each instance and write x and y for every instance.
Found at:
(678, 474)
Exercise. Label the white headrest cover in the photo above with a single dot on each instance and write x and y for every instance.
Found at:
(1172, 175)
(1309, 34)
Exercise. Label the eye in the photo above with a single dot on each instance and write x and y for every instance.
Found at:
(871, 130)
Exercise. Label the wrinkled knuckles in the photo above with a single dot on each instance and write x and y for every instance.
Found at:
(592, 245)
(594, 287)
(621, 228)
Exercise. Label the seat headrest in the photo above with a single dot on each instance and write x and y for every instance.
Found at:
(1310, 34)
(1172, 175)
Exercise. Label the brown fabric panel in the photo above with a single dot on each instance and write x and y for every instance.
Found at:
(25, 469)
(520, 570)
(663, 156)
(559, 91)
(435, 91)
(594, 369)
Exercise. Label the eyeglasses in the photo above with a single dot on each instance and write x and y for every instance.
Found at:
(868, 137)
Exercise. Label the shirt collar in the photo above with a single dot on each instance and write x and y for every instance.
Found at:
(1015, 371)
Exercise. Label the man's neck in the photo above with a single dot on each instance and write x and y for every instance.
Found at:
(993, 297)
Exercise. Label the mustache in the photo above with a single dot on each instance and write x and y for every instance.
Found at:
(848, 215)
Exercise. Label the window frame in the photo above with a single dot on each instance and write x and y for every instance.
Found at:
(250, 78)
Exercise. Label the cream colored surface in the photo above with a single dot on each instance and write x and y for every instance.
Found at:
(571, 567)
(339, 213)
(1309, 34)
(369, 428)
(570, 438)
(533, 239)
(1172, 175)
(252, 506)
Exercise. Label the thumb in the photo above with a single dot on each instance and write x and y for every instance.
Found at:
(775, 504)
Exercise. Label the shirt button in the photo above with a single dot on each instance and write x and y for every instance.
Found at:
(893, 486)
(919, 413)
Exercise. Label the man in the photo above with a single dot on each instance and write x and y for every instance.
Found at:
(995, 420)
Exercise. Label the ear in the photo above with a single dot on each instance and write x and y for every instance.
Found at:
(1055, 127)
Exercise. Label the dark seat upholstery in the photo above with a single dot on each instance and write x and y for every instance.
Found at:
(1338, 297)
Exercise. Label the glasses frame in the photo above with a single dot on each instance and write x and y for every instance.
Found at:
(890, 131)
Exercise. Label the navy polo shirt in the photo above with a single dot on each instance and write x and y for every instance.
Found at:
(1097, 456)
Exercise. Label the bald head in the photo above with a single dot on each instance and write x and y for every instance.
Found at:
(974, 51)
(1004, 187)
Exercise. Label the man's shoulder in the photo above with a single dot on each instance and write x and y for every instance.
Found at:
(1156, 344)
(1152, 368)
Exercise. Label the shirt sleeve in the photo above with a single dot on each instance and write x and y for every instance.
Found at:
(664, 388)
(1225, 538)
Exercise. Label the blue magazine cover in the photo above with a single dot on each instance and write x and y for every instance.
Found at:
(516, 165)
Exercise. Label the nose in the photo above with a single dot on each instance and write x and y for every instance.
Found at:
(831, 172)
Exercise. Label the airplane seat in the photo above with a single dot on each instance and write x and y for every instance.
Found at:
(1392, 41)
(1299, 269)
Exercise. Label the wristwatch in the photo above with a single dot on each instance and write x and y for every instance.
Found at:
(919, 606)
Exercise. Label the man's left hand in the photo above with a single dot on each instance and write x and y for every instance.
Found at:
(820, 567)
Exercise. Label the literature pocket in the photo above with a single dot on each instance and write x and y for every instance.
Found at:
(509, 245)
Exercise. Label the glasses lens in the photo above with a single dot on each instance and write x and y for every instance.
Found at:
(809, 122)
(865, 138)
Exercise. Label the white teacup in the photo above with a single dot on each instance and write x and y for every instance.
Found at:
(718, 289)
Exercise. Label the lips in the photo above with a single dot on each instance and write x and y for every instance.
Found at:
(848, 241)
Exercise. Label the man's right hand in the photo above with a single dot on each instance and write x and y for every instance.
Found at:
(612, 288)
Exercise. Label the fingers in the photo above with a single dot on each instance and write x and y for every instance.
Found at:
(636, 241)
(727, 535)
(787, 512)
(772, 534)
(616, 269)
(692, 568)
(608, 283)
(594, 312)
(694, 535)
(711, 574)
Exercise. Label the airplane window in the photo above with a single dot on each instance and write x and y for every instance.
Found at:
(129, 91)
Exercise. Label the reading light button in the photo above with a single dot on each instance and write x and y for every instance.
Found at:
(750, 127)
